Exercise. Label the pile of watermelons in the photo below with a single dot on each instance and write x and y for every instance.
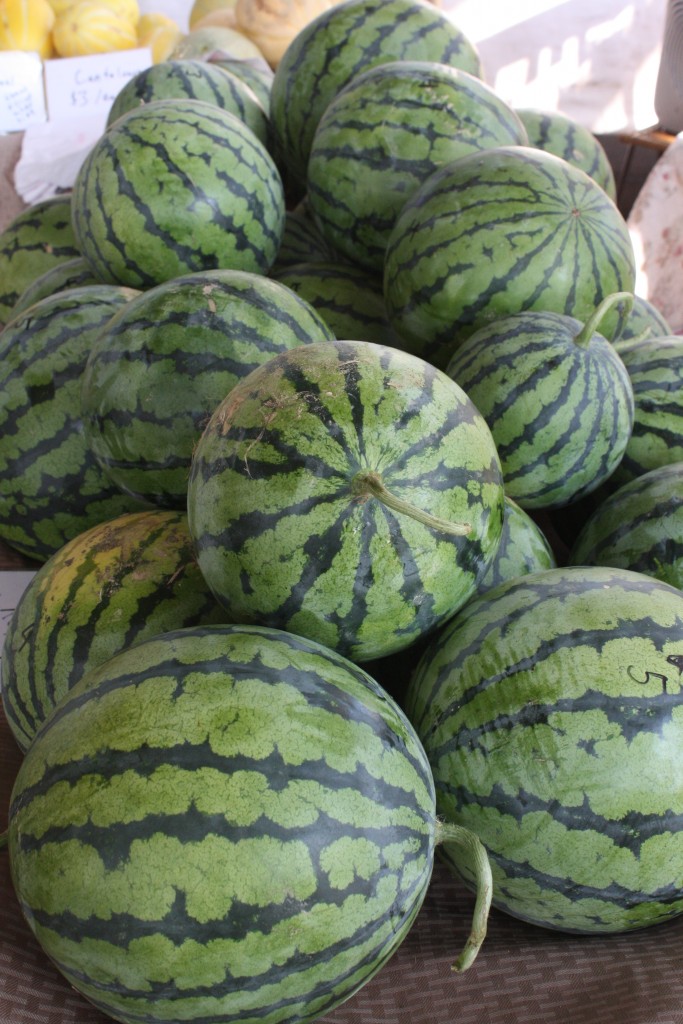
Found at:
(353, 467)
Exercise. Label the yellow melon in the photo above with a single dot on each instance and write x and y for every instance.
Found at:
(26, 25)
(90, 26)
(161, 33)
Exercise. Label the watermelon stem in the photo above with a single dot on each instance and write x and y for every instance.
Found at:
(369, 484)
(477, 857)
(584, 336)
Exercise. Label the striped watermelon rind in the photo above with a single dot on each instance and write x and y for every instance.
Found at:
(386, 131)
(51, 487)
(113, 585)
(562, 135)
(638, 527)
(69, 274)
(549, 709)
(160, 367)
(341, 42)
(174, 187)
(557, 399)
(36, 240)
(523, 548)
(498, 232)
(262, 844)
(278, 470)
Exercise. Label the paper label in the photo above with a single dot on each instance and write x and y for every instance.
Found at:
(22, 97)
(75, 86)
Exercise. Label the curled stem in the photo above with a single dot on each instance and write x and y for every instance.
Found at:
(591, 326)
(369, 484)
(446, 832)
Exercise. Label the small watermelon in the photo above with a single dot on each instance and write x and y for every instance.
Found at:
(69, 274)
(343, 41)
(550, 711)
(383, 134)
(113, 585)
(557, 398)
(497, 232)
(524, 548)
(638, 527)
(160, 367)
(302, 240)
(225, 824)
(562, 135)
(173, 187)
(644, 322)
(348, 492)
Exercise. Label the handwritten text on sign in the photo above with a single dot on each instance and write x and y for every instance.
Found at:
(22, 100)
(80, 85)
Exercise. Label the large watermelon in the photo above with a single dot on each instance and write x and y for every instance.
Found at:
(498, 232)
(223, 824)
(346, 491)
(115, 584)
(383, 134)
(157, 371)
(51, 486)
(36, 240)
(551, 712)
(177, 186)
(343, 41)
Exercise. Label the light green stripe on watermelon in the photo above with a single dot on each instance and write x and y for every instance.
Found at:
(160, 367)
(113, 585)
(387, 130)
(36, 240)
(51, 487)
(342, 42)
(239, 829)
(173, 187)
(497, 232)
(638, 527)
(550, 709)
(194, 80)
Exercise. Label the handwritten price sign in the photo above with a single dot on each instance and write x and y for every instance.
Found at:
(22, 98)
(89, 85)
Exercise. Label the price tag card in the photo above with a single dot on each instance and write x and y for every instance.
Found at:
(86, 85)
(22, 96)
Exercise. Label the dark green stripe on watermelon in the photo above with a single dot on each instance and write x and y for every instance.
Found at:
(194, 80)
(288, 535)
(386, 131)
(113, 585)
(550, 710)
(340, 43)
(51, 487)
(161, 366)
(498, 232)
(173, 187)
(35, 241)
(240, 827)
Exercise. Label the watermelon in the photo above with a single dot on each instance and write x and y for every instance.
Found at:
(383, 134)
(655, 367)
(224, 824)
(557, 398)
(159, 368)
(562, 135)
(194, 80)
(51, 487)
(302, 240)
(550, 711)
(638, 527)
(173, 187)
(523, 548)
(343, 41)
(68, 274)
(497, 232)
(644, 321)
(36, 240)
(348, 492)
(349, 300)
(258, 76)
(113, 585)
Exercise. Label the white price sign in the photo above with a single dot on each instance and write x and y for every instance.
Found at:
(22, 96)
(76, 86)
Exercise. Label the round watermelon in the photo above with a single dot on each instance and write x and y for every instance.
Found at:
(346, 491)
(177, 186)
